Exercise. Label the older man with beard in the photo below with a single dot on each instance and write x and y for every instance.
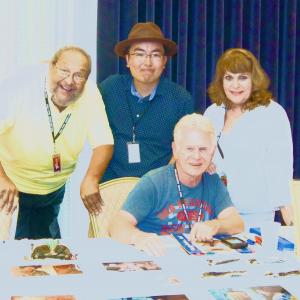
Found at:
(46, 115)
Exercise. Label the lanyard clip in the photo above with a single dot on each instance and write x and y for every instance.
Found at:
(133, 134)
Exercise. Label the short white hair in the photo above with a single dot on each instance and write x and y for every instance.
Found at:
(194, 122)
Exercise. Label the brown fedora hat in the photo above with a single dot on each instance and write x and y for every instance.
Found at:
(142, 32)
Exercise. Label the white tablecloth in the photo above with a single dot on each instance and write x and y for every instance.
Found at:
(97, 283)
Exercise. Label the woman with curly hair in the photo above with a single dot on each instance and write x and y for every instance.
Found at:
(255, 151)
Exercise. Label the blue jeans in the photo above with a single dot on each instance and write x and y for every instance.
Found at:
(37, 218)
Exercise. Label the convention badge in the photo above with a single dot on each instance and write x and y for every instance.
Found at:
(133, 152)
(224, 178)
(56, 163)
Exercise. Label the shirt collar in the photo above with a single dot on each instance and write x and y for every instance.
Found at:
(135, 93)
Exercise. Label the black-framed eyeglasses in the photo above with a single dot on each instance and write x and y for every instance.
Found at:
(64, 73)
(142, 56)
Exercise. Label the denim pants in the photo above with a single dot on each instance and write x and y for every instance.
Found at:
(37, 216)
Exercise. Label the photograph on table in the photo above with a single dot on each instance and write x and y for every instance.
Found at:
(160, 297)
(224, 274)
(252, 293)
(283, 273)
(58, 297)
(44, 270)
(131, 266)
(68, 269)
(33, 270)
(50, 249)
(218, 261)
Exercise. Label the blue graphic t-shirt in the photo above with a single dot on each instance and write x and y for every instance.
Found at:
(155, 201)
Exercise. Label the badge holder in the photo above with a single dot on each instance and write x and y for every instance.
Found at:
(134, 155)
(56, 163)
(133, 149)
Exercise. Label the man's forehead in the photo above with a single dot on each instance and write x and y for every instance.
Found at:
(73, 59)
(147, 46)
(189, 135)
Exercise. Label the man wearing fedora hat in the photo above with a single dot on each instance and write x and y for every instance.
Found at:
(143, 107)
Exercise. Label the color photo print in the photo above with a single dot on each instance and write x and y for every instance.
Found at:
(131, 266)
(45, 270)
(161, 297)
(51, 249)
(59, 297)
(253, 293)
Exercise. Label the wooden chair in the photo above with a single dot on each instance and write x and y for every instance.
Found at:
(8, 224)
(113, 194)
(295, 188)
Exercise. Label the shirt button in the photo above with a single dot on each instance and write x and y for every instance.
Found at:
(137, 115)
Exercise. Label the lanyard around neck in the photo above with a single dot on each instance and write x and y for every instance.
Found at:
(134, 121)
(55, 137)
(218, 145)
(182, 200)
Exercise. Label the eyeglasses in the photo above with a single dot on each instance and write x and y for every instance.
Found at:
(44, 251)
(155, 57)
(77, 77)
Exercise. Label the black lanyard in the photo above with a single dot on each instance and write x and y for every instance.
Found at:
(218, 145)
(182, 200)
(134, 121)
(55, 137)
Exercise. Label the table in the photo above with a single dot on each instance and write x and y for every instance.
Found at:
(98, 283)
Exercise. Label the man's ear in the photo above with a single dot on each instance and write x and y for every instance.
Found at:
(127, 60)
(165, 61)
(174, 149)
(213, 151)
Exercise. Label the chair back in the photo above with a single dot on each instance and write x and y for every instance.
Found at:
(113, 194)
(8, 223)
(295, 188)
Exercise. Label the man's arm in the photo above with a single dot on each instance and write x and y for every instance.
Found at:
(228, 221)
(8, 193)
(89, 189)
(123, 229)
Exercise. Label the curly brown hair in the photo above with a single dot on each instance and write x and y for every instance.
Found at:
(238, 60)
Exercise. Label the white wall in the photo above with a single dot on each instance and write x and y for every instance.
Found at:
(31, 31)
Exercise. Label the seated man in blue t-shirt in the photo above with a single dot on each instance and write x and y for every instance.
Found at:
(181, 197)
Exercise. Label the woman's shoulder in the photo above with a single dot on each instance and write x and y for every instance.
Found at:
(214, 110)
(273, 109)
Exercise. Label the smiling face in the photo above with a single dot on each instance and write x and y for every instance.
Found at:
(193, 151)
(146, 70)
(237, 87)
(67, 77)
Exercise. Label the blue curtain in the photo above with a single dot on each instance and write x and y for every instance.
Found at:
(203, 29)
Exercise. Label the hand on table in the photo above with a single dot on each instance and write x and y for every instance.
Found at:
(9, 195)
(204, 231)
(90, 195)
(150, 243)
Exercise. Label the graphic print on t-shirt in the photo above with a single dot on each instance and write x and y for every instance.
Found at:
(174, 218)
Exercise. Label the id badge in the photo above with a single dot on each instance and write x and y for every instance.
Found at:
(56, 163)
(134, 155)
